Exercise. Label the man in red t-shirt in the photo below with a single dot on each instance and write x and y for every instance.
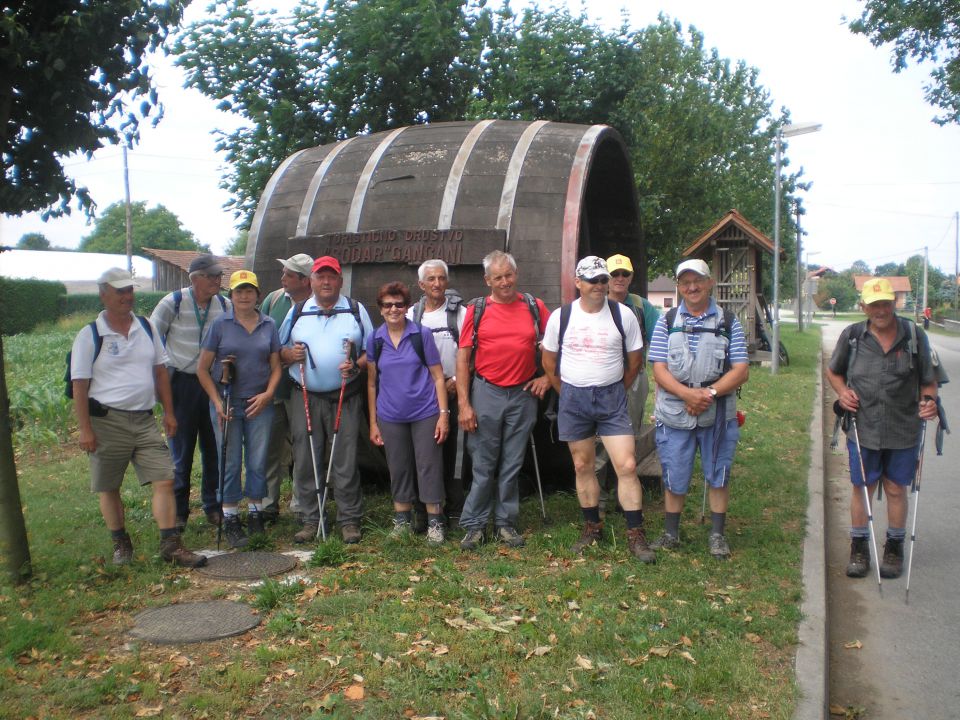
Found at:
(498, 407)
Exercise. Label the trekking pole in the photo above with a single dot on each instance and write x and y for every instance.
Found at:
(915, 491)
(313, 451)
(347, 349)
(536, 471)
(866, 500)
(226, 379)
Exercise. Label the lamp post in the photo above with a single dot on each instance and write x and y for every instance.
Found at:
(807, 285)
(786, 131)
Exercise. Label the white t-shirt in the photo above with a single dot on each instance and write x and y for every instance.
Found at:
(122, 376)
(446, 343)
(592, 345)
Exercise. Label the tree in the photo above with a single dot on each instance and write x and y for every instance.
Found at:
(73, 77)
(890, 269)
(922, 31)
(860, 267)
(154, 228)
(34, 241)
(237, 246)
(839, 286)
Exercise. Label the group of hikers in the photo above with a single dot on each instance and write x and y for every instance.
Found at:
(263, 382)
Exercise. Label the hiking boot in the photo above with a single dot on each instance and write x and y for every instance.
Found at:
(214, 517)
(350, 534)
(718, 546)
(859, 564)
(638, 547)
(172, 550)
(508, 534)
(436, 532)
(271, 514)
(123, 550)
(233, 530)
(665, 542)
(473, 539)
(308, 533)
(892, 565)
(591, 534)
(256, 523)
(419, 526)
(401, 526)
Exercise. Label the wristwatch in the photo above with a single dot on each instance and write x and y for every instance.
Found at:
(713, 391)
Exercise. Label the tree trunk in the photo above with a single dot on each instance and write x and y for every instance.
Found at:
(14, 550)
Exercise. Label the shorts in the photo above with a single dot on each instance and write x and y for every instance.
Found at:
(124, 437)
(585, 412)
(898, 466)
(677, 449)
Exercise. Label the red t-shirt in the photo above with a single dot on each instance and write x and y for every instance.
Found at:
(506, 344)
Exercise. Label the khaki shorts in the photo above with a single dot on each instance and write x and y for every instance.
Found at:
(124, 437)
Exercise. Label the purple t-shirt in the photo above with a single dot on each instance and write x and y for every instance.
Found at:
(407, 391)
(252, 366)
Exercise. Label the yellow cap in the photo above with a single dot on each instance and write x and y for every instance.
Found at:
(876, 290)
(243, 277)
(619, 262)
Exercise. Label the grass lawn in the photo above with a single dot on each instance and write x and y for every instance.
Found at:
(394, 629)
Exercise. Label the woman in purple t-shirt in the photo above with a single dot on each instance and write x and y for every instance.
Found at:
(409, 416)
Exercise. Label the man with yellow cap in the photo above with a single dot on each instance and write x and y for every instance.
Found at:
(891, 386)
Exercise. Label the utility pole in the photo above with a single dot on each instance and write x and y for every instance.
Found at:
(926, 264)
(126, 188)
(956, 260)
(801, 272)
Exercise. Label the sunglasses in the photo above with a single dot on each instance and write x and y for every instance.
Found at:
(603, 280)
(397, 305)
(620, 274)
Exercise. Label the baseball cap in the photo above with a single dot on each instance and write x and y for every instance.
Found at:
(591, 267)
(300, 263)
(875, 290)
(325, 261)
(619, 262)
(698, 266)
(117, 278)
(206, 264)
(243, 277)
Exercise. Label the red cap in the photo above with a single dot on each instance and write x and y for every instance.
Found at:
(326, 261)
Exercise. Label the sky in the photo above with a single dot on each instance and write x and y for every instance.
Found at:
(885, 178)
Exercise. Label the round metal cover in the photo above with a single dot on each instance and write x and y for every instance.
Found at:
(247, 565)
(194, 622)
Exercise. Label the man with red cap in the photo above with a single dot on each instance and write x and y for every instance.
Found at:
(324, 338)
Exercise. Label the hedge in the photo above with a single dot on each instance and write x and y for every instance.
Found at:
(89, 303)
(24, 304)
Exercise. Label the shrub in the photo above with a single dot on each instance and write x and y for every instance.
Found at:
(89, 303)
(26, 303)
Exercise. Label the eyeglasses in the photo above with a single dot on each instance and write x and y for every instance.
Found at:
(211, 276)
(620, 274)
(603, 280)
(692, 283)
(398, 305)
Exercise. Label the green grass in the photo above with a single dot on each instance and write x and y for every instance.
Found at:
(530, 633)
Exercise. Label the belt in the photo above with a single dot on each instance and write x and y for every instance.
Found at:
(705, 383)
(503, 387)
(352, 388)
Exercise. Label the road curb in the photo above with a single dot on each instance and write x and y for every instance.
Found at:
(811, 660)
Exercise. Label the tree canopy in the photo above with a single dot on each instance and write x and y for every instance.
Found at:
(34, 241)
(153, 228)
(925, 31)
(73, 77)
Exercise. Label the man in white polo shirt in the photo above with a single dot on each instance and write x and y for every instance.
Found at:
(118, 370)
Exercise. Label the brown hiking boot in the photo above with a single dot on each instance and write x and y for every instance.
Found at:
(892, 565)
(591, 534)
(172, 550)
(123, 550)
(859, 564)
(350, 533)
(637, 544)
(308, 533)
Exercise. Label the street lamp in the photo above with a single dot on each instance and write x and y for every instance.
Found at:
(786, 131)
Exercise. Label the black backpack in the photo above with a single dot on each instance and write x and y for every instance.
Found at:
(354, 310)
(859, 330)
(416, 339)
(480, 304)
(454, 301)
(617, 320)
(97, 346)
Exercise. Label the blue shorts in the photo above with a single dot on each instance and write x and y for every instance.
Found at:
(898, 466)
(585, 412)
(677, 449)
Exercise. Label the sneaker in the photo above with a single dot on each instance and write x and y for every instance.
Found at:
(665, 542)
(509, 535)
(123, 550)
(172, 550)
(419, 526)
(350, 534)
(233, 530)
(308, 533)
(256, 523)
(591, 534)
(436, 532)
(638, 547)
(401, 526)
(892, 565)
(718, 546)
(473, 539)
(859, 564)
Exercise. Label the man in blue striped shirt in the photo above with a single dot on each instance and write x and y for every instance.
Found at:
(699, 358)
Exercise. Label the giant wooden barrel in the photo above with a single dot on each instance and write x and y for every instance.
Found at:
(547, 192)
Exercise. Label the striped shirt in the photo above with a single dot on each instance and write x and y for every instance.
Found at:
(183, 332)
(661, 333)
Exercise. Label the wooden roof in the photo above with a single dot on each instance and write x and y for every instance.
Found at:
(734, 218)
(900, 283)
(181, 259)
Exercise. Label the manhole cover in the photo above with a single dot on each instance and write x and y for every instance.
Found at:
(247, 565)
(194, 622)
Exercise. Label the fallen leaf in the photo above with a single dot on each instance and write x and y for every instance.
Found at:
(687, 656)
(853, 645)
(149, 711)
(441, 650)
(660, 651)
(353, 692)
(539, 651)
(752, 637)
(838, 710)
(572, 605)
(584, 663)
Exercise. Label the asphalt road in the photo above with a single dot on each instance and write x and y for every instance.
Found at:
(909, 660)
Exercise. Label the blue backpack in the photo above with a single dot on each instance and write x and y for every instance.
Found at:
(97, 346)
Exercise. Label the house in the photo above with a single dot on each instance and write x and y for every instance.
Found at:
(662, 292)
(900, 283)
(170, 268)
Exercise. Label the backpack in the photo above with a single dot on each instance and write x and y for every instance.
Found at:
(178, 298)
(97, 346)
(416, 339)
(724, 327)
(480, 304)
(354, 309)
(454, 301)
(913, 346)
(617, 320)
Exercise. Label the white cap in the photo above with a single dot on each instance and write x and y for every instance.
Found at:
(698, 266)
(117, 278)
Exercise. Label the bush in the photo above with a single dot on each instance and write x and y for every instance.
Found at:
(24, 304)
(89, 303)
